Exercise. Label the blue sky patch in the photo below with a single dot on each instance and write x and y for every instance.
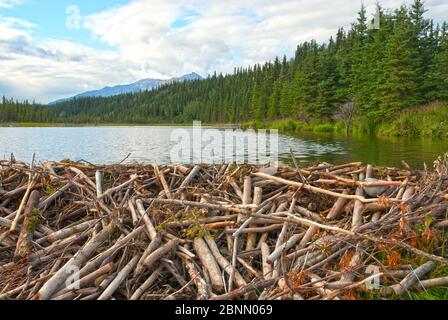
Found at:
(50, 18)
(187, 18)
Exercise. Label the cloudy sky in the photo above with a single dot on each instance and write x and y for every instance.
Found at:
(51, 49)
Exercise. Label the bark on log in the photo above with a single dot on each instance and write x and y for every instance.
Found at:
(28, 226)
(121, 276)
(209, 262)
(80, 258)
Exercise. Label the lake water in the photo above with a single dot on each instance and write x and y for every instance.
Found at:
(108, 145)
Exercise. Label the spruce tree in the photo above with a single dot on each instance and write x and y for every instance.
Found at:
(439, 72)
(399, 89)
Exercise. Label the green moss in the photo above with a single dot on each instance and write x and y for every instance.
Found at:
(49, 189)
(33, 222)
(196, 231)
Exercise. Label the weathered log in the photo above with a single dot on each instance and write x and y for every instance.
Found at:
(53, 284)
(267, 267)
(29, 224)
(121, 276)
(147, 284)
(252, 237)
(224, 263)
(210, 263)
(411, 279)
(155, 256)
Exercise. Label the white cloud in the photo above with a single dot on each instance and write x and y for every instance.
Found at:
(146, 45)
(10, 3)
(51, 68)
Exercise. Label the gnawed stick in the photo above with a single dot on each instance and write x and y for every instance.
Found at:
(334, 293)
(134, 215)
(210, 263)
(237, 189)
(266, 229)
(319, 286)
(81, 257)
(54, 196)
(162, 180)
(147, 284)
(200, 283)
(160, 253)
(29, 224)
(338, 207)
(87, 280)
(348, 274)
(99, 259)
(155, 243)
(67, 232)
(194, 172)
(256, 274)
(83, 176)
(99, 183)
(315, 189)
(247, 195)
(244, 209)
(251, 287)
(267, 267)
(307, 237)
(431, 283)
(16, 220)
(121, 276)
(148, 223)
(252, 237)
(410, 280)
(358, 209)
(223, 262)
(117, 188)
(274, 256)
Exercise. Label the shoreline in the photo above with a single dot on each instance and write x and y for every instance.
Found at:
(286, 127)
(429, 121)
(93, 125)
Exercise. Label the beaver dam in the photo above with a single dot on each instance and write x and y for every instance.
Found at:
(75, 231)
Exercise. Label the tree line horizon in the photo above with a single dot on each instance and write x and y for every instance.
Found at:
(378, 71)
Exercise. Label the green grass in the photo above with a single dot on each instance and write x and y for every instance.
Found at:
(291, 127)
(436, 293)
(428, 121)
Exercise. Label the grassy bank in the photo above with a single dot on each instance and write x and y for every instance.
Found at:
(430, 121)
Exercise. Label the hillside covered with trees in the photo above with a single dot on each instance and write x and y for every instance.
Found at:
(377, 72)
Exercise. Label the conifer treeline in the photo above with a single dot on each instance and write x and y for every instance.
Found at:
(402, 64)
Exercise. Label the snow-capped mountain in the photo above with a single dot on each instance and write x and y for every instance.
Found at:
(141, 85)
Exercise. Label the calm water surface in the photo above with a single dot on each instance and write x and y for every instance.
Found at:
(103, 145)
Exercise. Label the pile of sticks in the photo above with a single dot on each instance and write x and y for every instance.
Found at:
(75, 231)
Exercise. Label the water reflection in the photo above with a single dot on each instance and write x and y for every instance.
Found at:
(148, 144)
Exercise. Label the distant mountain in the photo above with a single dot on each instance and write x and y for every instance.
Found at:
(141, 85)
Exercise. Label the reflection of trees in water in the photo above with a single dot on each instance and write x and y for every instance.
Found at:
(374, 150)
